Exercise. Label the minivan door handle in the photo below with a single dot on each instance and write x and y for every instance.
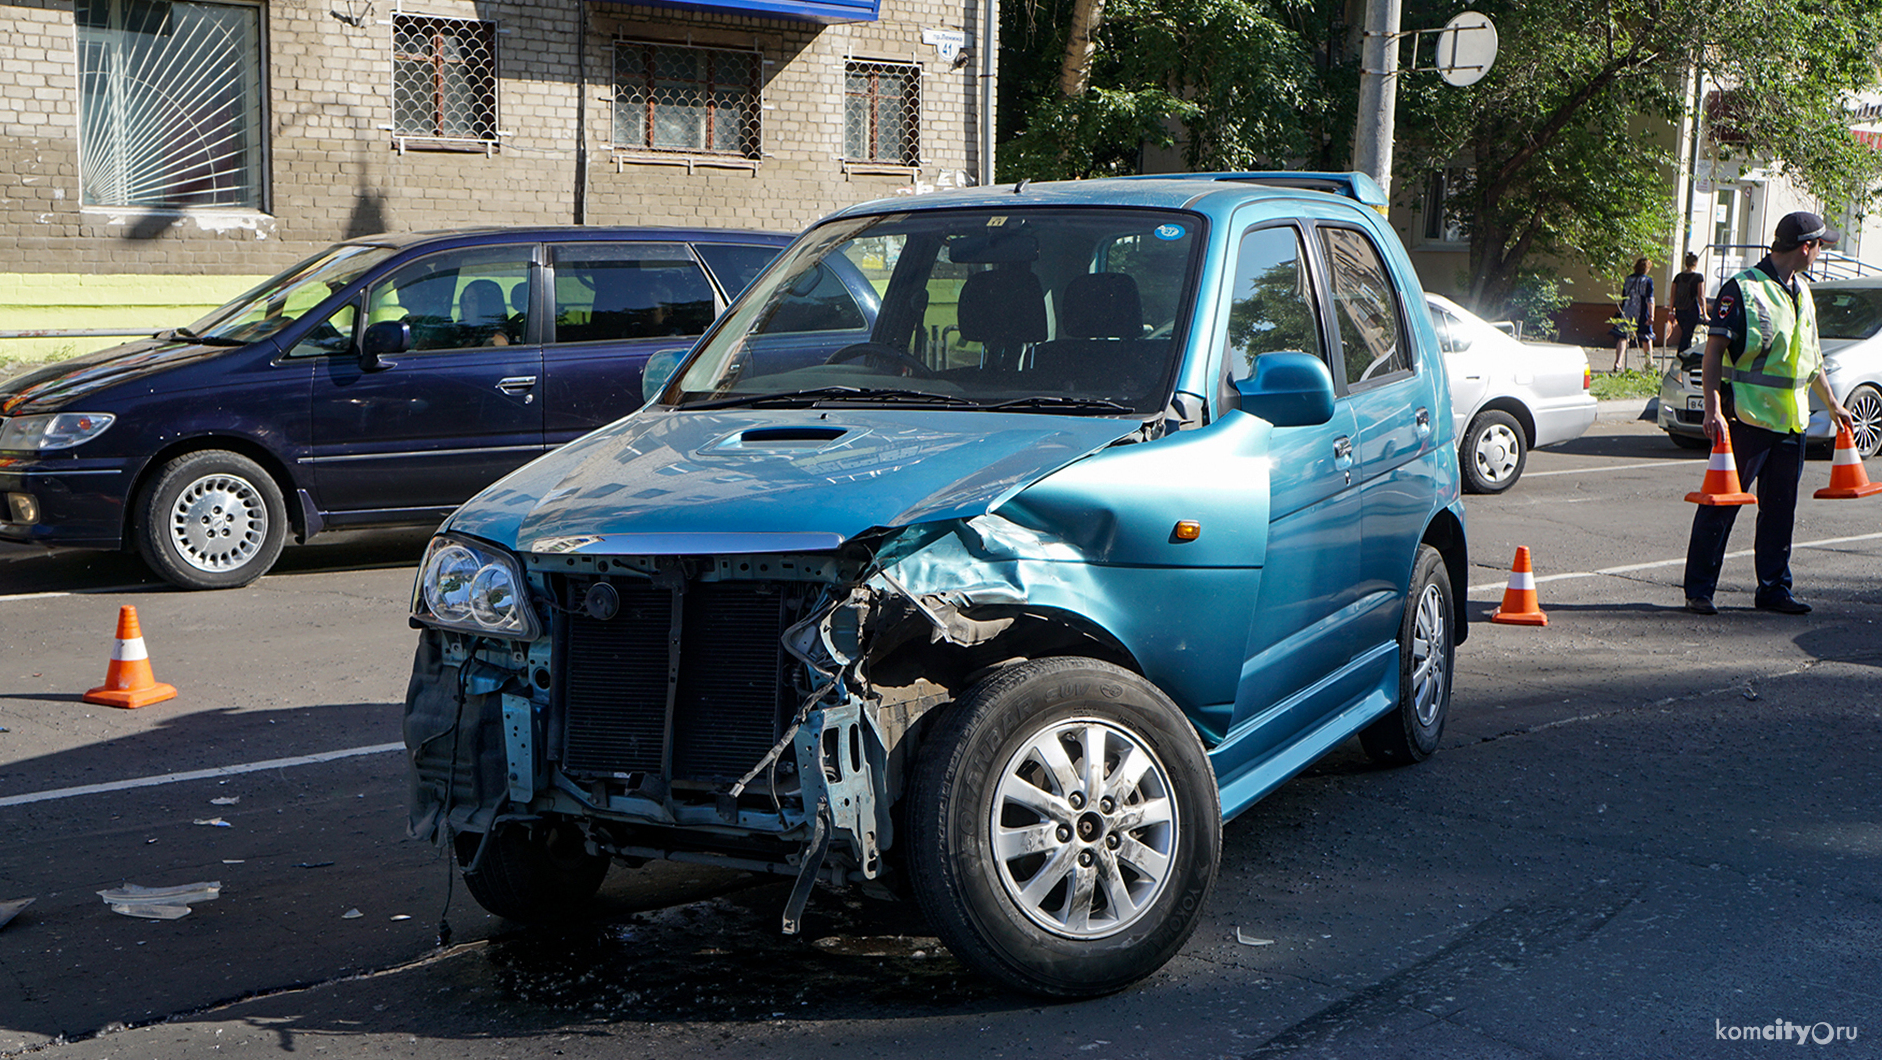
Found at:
(516, 384)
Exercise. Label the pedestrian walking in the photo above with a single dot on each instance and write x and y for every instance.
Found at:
(1688, 304)
(1636, 313)
(1761, 356)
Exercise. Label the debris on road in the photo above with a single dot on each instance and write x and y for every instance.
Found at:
(159, 903)
(214, 822)
(9, 910)
(312, 864)
(351, 914)
(1248, 940)
(226, 800)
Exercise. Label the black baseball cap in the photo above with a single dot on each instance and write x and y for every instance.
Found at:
(1796, 228)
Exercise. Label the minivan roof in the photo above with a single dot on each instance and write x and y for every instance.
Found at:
(572, 233)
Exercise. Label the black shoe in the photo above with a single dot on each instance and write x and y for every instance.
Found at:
(1701, 605)
(1785, 605)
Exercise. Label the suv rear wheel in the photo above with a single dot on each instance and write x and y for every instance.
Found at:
(1064, 828)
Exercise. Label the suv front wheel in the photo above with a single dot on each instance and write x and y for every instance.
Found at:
(1064, 827)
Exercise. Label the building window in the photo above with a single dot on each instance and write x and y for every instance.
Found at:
(881, 113)
(444, 78)
(1440, 224)
(672, 97)
(171, 97)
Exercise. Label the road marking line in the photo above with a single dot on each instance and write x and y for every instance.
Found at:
(1632, 567)
(106, 591)
(1683, 465)
(198, 774)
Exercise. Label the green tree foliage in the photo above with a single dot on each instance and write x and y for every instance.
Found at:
(1239, 84)
(1560, 139)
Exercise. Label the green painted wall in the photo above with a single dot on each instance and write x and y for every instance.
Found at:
(42, 301)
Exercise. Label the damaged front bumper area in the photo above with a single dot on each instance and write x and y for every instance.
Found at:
(715, 709)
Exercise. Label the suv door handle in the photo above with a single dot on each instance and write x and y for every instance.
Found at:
(516, 384)
(1424, 422)
(1342, 451)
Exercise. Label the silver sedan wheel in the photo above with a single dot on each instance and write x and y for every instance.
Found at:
(1865, 408)
(1084, 828)
(1496, 452)
(1428, 637)
(219, 522)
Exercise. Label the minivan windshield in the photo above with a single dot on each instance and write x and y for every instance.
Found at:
(280, 301)
(1029, 309)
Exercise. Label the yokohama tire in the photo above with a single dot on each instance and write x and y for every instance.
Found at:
(210, 520)
(1410, 732)
(1050, 877)
(533, 875)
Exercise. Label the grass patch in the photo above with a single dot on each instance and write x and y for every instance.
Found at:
(1630, 383)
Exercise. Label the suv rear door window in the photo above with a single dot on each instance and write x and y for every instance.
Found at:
(1365, 308)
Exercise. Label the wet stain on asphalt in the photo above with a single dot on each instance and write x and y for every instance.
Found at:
(724, 959)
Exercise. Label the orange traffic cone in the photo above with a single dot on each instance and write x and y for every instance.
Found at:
(1847, 478)
(1519, 600)
(1721, 481)
(128, 680)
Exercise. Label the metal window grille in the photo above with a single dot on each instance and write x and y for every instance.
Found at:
(444, 78)
(171, 103)
(882, 113)
(671, 97)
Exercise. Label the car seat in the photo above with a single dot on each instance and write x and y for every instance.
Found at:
(1100, 345)
(1003, 309)
(483, 314)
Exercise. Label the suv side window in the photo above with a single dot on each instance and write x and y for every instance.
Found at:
(1366, 307)
(458, 300)
(610, 291)
(1271, 306)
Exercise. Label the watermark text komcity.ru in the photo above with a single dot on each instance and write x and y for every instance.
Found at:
(1785, 1031)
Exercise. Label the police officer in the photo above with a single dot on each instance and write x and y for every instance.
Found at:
(1761, 356)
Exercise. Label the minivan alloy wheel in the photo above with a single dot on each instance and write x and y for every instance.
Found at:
(211, 519)
(218, 523)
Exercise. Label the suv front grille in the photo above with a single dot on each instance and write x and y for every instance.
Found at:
(730, 701)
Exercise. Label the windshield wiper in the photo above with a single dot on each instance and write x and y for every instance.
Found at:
(187, 335)
(819, 394)
(1059, 403)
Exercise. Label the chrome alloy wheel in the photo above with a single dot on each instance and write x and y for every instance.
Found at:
(1084, 828)
(1495, 452)
(1429, 636)
(1865, 408)
(218, 522)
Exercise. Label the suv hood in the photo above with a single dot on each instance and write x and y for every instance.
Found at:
(53, 386)
(696, 483)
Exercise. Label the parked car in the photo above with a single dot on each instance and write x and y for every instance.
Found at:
(1849, 322)
(380, 382)
(1138, 496)
(1507, 396)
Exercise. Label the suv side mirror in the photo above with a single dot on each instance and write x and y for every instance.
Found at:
(387, 336)
(658, 370)
(1288, 389)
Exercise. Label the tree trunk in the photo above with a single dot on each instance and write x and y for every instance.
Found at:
(1080, 46)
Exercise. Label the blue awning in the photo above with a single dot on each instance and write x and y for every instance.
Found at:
(822, 11)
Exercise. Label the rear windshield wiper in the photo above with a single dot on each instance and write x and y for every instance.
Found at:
(1059, 403)
(187, 335)
(816, 395)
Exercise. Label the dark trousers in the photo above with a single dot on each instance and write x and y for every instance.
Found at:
(1776, 463)
(1688, 323)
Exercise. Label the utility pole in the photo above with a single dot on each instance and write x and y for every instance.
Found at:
(1378, 92)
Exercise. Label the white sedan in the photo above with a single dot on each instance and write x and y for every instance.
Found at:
(1507, 396)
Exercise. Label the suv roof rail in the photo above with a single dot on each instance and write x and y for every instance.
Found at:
(1356, 186)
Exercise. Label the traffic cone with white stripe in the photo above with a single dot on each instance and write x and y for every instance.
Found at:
(1519, 600)
(1721, 481)
(128, 680)
(1847, 478)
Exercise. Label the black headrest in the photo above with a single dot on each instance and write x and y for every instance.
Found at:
(1003, 306)
(1102, 305)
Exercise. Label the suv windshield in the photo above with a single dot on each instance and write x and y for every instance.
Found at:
(1032, 309)
(279, 302)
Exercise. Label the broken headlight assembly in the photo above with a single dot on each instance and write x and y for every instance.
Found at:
(473, 587)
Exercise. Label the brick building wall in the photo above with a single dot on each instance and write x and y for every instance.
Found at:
(333, 170)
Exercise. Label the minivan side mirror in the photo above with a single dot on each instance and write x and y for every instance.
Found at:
(658, 370)
(387, 336)
(1288, 389)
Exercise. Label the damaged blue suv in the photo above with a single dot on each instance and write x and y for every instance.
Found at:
(1102, 510)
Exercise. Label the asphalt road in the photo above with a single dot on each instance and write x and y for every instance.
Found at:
(1645, 832)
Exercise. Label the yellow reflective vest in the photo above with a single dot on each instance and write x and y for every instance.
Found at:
(1771, 377)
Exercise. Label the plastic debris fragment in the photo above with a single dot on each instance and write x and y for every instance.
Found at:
(226, 800)
(9, 910)
(351, 914)
(159, 903)
(402, 916)
(214, 822)
(1250, 940)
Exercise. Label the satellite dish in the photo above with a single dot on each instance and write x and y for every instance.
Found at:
(1466, 48)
